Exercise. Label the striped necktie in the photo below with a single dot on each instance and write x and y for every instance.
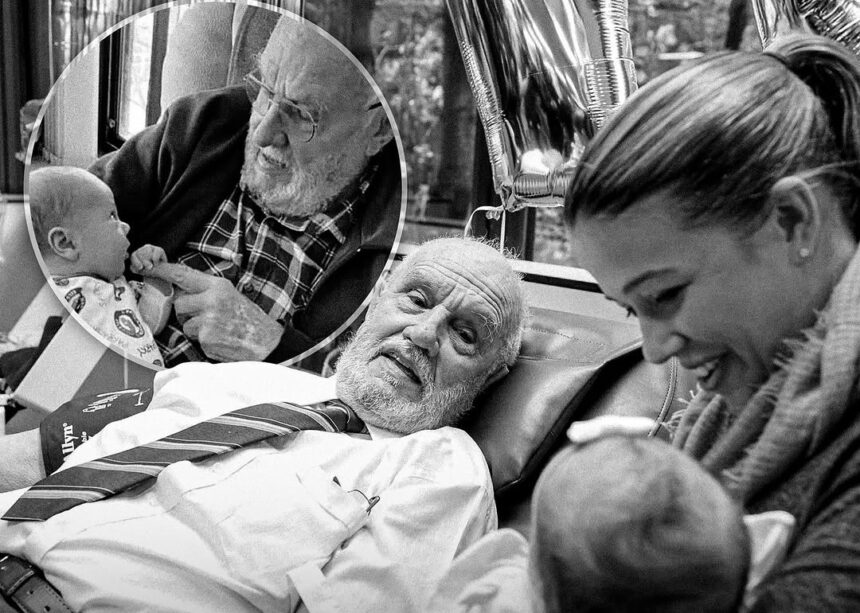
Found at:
(116, 473)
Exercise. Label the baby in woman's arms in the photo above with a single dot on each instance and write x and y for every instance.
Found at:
(621, 524)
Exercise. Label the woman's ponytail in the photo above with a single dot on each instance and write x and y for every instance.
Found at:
(832, 72)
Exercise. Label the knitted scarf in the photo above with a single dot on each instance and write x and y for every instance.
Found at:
(790, 417)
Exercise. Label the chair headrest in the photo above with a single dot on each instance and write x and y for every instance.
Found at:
(518, 422)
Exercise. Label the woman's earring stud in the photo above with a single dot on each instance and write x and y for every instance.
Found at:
(804, 253)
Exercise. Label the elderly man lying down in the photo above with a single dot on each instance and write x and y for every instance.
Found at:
(313, 520)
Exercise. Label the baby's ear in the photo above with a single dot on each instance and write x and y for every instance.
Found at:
(62, 244)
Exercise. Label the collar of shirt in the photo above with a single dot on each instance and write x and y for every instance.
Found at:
(376, 433)
(379, 434)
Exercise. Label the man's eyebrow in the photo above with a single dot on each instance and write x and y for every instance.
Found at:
(489, 322)
(412, 277)
(645, 276)
(482, 318)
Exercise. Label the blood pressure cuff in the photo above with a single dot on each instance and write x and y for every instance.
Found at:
(75, 421)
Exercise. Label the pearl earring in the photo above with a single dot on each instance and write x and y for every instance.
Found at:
(804, 253)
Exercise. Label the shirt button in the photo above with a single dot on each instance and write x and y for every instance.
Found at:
(248, 288)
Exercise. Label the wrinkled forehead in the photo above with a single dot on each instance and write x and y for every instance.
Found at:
(648, 235)
(302, 63)
(473, 280)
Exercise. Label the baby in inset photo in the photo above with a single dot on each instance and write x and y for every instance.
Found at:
(84, 246)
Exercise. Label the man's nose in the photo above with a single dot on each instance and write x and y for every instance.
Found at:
(425, 331)
(659, 341)
(270, 131)
(124, 228)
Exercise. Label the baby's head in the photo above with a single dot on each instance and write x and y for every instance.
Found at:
(632, 524)
(76, 223)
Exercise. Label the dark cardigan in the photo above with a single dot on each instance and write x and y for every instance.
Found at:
(169, 180)
(822, 570)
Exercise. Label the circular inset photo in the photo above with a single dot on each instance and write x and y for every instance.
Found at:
(216, 182)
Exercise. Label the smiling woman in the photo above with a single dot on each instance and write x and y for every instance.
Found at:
(693, 301)
(720, 206)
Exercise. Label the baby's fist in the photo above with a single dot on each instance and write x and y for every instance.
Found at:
(146, 258)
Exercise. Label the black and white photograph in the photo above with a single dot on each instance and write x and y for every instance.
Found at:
(430, 306)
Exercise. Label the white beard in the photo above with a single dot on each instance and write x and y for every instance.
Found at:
(294, 192)
(381, 406)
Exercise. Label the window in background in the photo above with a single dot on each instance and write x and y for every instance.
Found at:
(418, 67)
(664, 34)
(411, 51)
(414, 58)
(136, 63)
(131, 86)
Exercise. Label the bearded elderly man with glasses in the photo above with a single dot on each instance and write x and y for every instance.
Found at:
(277, 202)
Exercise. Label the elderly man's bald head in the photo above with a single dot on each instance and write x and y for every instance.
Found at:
(447, 324)
(489, 268)
(304, 52)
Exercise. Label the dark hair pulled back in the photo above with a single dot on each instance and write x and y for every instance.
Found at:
(719, 132)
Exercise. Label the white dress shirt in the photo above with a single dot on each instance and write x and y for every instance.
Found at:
(264, 527)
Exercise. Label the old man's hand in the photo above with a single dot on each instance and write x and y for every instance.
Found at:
(226, 324)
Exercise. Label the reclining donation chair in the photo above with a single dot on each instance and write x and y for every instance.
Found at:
(571, 367)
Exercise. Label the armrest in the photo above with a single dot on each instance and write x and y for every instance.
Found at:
(75, 363)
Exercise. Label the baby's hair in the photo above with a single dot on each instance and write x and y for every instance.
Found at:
(53, 197)
(629, 524)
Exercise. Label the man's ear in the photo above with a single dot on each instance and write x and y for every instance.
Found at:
(378, 289)
(495, 376)
(63, 244)
(796, 212)
(379, 131)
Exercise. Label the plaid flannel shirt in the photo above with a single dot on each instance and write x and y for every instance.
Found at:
(276, 262)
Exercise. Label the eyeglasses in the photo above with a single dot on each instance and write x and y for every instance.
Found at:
(301, 119)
